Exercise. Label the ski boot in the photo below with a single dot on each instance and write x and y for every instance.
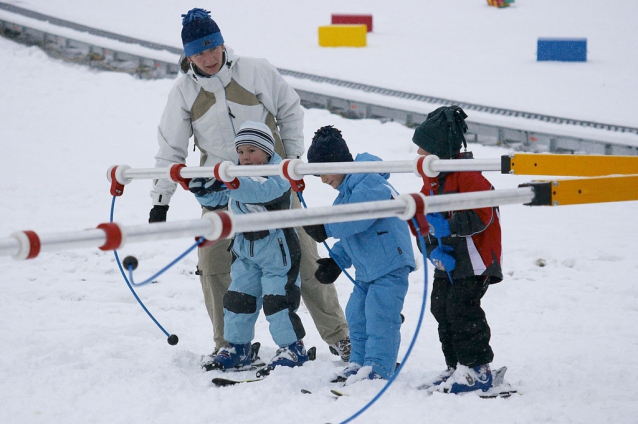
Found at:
(232, 356)
(466, 379)
(341, 349)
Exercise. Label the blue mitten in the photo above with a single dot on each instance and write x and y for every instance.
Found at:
(439, 227)
(204, 186)
(441, 258)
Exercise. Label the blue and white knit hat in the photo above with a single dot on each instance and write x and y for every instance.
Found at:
(199, 32)
(256, 134)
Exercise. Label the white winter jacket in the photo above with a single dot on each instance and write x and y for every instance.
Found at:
(213, 108)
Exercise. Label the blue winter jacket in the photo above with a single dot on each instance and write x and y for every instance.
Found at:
(374, 246)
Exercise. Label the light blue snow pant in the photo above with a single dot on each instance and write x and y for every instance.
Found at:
(265, 272)
(374, 317)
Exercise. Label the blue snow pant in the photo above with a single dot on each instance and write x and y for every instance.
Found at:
(265, 272)
(373, 313)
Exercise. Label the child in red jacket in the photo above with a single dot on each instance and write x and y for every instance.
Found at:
(465, 248)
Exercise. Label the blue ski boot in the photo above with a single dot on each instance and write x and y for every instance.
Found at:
(293, 355)
(467, 379)
(232, 356)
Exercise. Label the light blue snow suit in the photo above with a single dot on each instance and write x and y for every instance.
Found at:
(381, 252)
(265, 270)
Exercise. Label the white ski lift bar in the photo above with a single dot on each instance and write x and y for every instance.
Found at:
(220, 225)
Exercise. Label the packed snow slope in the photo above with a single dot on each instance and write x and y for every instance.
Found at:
(462, 50)
(76, 347)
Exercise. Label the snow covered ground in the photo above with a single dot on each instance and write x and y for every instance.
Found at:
(76, 347)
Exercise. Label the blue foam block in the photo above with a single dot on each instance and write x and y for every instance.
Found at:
(562, 49)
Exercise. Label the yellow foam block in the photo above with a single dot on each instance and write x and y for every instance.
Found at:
(343, 35)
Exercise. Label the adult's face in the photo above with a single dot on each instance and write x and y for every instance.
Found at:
(209, 61)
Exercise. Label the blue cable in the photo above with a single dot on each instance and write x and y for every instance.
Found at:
(160, 272)
(303, 202)
(172, 338)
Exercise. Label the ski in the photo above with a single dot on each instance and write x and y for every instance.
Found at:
(225, 382)
(500, 394)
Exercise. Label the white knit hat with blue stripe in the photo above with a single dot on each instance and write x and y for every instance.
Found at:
(256, 134)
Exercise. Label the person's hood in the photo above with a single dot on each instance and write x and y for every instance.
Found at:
(367, 157)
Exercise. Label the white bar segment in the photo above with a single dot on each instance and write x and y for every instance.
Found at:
(459, 165)
(9, 246)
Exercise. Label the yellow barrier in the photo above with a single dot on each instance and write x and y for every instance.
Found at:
(343, 35)
(618, 188)
(572, 165)
(595, 190)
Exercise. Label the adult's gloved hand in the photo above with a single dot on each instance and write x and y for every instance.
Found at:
(158, 214)
(439, 227)
(317, 232)
(203, 186)
(441, 258)
(328, 271)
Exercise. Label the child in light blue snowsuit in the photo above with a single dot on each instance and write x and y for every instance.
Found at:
(381, 252)
(265, 271)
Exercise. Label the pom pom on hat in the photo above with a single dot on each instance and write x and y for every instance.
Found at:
(199, 32)
(328, 146)
(256, 134)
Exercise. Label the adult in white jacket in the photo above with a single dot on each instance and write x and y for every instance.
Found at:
(218, 93)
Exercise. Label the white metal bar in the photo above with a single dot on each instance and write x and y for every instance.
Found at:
(9, 246)
(406, 166)
(275, 219)
(456, 165)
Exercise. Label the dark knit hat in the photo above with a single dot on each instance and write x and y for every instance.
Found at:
(328, 146)
(442, 131)
(256, 134)
(199, 32)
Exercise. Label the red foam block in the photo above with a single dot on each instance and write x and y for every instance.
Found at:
(353, 19)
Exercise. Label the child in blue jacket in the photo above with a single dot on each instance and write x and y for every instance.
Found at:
(381, 252)
(265, 271)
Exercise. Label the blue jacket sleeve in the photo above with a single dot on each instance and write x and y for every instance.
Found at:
(213, 199)
(340, 255)
(373, 187)
(256, 190)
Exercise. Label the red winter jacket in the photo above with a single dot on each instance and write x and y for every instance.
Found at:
(475, 233)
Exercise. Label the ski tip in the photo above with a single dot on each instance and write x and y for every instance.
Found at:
(223, 382)
(306, 392)
(337, 393)
(312, 353)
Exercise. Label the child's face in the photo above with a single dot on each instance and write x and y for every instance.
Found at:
(333, 180)
(251, 155)
(422, 152)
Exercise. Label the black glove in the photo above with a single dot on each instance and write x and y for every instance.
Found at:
(317, 232)
(328, 271)
(158, 214)
(203, 186)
